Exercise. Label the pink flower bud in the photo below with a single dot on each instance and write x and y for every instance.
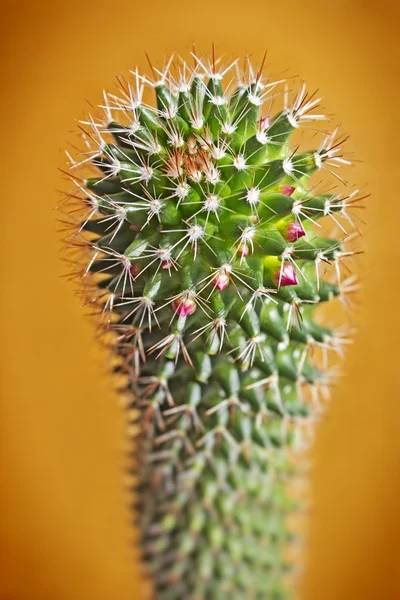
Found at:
(166, 264)
(264, 123)
(134, 269)
(286, 275)
(287, 190)
(184, 306)
(221, 281)
(294, 231)
(243, 250)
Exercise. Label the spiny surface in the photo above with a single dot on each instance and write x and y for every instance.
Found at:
(197, 233)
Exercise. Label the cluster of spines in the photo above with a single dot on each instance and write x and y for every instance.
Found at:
(203, 252)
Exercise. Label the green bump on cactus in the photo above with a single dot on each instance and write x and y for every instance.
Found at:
(198, 223)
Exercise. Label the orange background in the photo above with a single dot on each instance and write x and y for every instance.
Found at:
(66, 528)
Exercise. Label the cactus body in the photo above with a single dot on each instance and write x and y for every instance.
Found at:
(198, 229)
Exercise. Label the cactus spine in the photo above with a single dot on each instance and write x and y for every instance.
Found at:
(197, 236)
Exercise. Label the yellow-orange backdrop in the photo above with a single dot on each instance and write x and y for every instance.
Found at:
(66, 533)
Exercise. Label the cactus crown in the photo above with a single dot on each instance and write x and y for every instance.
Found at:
(199, 249)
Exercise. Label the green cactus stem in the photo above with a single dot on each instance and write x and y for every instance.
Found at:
(198, 225)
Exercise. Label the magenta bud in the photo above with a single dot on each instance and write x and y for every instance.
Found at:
(184, 306)
(287, 190)
(264, 123)
(294, 231)
(243, 250)
(166, 264)
(134, 269)
(286, 275)
(221, 281)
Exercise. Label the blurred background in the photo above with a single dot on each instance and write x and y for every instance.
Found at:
(65, 530)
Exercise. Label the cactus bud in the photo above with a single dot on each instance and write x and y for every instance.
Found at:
(286, 275)
(134, 269)
(294, 231)
(287, 190)
(221, 279)
(264, 123)
(184, 306)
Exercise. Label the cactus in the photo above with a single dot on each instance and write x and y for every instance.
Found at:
(196, 222)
